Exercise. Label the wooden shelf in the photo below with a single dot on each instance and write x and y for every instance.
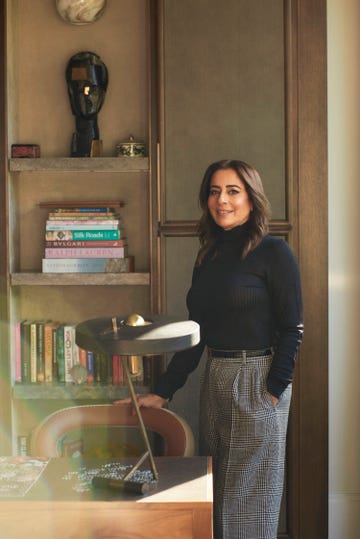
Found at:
(79, 279)
(73, 391)
(80, 164)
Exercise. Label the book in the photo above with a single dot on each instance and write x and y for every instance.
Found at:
(103, 369)
(81, 216)
(77, 211)
(82, 357)
(48, 352)
(60, 349)
(79, 205)
(85, 252)
(97, 367)
(74, 346)
(33, 352)
(90, 366)
(55, 364)
(40, 362)
(115, 369)
(148, 369)
(82, 225)
(82, 235)
(25, 351)
(87, 265)
(55, 244)
(68, 352)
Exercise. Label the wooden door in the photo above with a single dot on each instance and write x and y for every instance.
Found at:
(248, 80)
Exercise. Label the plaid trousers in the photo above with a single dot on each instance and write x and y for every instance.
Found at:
(246, 436)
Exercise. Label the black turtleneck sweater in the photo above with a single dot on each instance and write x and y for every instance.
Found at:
(249, 304)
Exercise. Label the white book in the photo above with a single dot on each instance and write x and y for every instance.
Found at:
(86, 265)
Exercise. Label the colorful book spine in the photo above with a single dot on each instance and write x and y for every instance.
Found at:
(97, 367)
(147, 369)
(90, 366)
(105, 365)
(48, 352)
(91, 209)
(83, 225)
(40, 364)
(25, 351)
(96, 252)
(55, 244)
(82, 357)
(55, 364)
(68, 353)
(86, 235)
(74, 346)
(122, 380)
(83, 216)
(33, 352)
(60, 353)
(87, 265)
(115, 365)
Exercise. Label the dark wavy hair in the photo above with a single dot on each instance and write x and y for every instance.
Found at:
(209, 231)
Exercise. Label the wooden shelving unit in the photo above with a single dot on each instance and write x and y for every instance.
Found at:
(42, 115)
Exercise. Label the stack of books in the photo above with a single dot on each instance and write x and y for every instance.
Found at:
(83, 237)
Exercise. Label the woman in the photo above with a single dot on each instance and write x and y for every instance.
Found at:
(246, 296)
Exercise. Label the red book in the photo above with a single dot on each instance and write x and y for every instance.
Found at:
(116, 362)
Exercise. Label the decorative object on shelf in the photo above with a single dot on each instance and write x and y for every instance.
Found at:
(87, 81)
(80, 12)
(130, 148)
(79, 374)
(25, 150)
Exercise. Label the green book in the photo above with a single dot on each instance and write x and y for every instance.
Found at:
(40, 362)
(60, 352)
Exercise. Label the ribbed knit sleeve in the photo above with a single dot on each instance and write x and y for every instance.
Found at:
(285, 289)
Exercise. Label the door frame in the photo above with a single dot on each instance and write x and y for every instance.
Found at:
(306, 228)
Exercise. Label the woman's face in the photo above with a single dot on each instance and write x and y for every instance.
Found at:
(228, 201)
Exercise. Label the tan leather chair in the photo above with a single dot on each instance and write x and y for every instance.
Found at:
(176, 433)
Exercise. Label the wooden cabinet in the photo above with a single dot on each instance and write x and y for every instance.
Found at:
(36, 47)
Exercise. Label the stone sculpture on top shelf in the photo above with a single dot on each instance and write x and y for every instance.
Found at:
(87, 81)
(80, 11)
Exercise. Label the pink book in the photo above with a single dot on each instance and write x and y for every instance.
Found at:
(78, 222)
(85, 252)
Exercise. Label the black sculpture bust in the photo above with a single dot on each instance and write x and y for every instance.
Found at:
(87, 80)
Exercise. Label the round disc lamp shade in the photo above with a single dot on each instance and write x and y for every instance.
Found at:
(129, 335)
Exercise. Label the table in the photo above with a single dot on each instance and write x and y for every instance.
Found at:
(61, 503)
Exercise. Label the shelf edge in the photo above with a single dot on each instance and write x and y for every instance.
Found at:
(79, 279)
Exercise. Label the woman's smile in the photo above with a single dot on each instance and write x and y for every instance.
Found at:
(228, 202)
